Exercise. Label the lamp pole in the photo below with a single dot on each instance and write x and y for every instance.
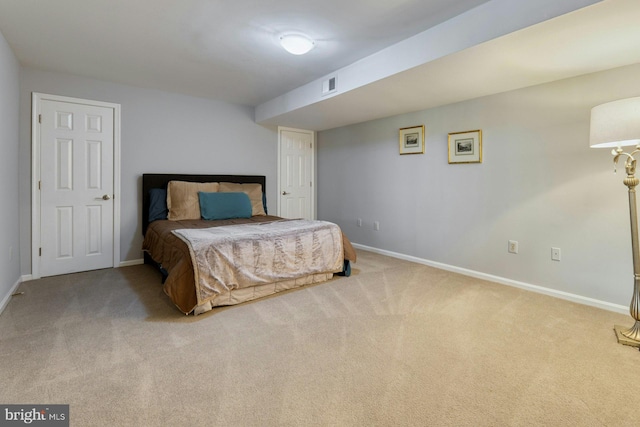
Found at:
(631, 336)
(616, 124)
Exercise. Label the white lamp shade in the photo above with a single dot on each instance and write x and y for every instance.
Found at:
(615, 124)
(296, 44)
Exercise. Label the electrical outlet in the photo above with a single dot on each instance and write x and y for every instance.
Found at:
(359, 222)
(513, 246)
(555, 254)
(376, 225)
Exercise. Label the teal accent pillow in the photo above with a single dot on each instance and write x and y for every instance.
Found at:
(224, 205)
(157, 204)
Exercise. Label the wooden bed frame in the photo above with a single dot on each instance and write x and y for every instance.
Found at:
(160, 180)
(175, 287)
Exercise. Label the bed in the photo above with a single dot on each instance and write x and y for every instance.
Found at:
(240, 252)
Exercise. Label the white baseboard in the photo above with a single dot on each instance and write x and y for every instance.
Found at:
(502, 280)
(131, 262)
(7, 298)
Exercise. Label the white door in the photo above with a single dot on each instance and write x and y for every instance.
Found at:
(295, 173)
(76, 186)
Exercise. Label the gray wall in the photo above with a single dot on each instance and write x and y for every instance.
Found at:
(539, 184)
(161, 132)
(9, 218)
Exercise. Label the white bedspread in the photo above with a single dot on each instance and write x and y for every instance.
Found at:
(240, 256)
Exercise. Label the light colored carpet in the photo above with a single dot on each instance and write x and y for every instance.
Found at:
(395, 344)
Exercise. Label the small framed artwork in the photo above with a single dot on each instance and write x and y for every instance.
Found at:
(412, 140)
(465, 147)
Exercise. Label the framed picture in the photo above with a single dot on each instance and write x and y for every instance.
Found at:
(465, 147)
(412, 140)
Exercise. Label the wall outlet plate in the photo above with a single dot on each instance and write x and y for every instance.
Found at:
(513, 246)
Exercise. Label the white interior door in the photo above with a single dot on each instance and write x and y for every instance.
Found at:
(295, 187)
(76, 186)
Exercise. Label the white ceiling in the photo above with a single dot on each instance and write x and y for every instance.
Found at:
(599, 37)
(221, 49)
(227, 50)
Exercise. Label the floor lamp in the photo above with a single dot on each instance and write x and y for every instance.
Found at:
(615, 125)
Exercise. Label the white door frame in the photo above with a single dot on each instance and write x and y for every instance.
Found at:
(312, 192)
(37, 99)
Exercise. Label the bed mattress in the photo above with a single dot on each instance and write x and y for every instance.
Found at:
(174, 256)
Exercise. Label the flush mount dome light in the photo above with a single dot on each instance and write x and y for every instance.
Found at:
(296, 44)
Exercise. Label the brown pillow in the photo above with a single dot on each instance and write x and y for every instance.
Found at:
(254, 191)
(182, 198)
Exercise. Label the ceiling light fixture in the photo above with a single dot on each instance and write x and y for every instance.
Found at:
(296, 44)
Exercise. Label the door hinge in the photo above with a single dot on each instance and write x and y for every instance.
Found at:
(39, 185)
(39, 118)
(40, 252)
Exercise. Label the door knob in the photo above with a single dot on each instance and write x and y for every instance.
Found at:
(106, 197)
(284, 193)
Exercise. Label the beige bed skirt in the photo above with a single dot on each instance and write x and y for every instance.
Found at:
(238, 296)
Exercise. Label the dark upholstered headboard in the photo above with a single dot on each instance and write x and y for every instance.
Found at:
(160, 180)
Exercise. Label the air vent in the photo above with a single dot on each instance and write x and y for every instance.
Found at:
(329, 86)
